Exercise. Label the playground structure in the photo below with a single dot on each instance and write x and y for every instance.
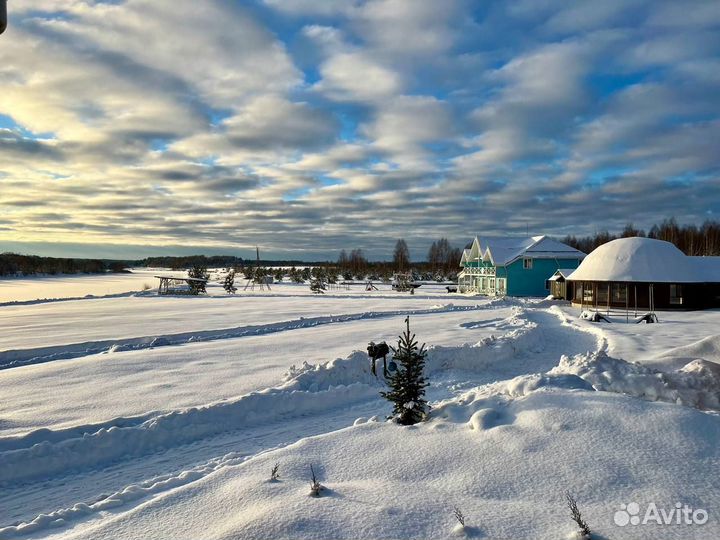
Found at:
(180, 285)
(344, 286)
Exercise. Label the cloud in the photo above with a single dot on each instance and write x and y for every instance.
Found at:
(354, 76)
(313, 126)
(265, 123)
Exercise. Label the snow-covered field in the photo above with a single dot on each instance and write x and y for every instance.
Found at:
(31, 289)
(129, 415)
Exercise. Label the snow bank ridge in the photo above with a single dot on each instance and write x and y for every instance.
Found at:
(525, 336)
(697, 384)
(24, 357)
(309, 389)
(306, 389)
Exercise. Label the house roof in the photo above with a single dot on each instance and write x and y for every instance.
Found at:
(646, 260)
(504, 250)
(561, 273)
(708, 268)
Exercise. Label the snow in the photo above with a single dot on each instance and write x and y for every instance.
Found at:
(141, 416)
(30, 289)
(645, 260)
(509, 476)
(708, 268)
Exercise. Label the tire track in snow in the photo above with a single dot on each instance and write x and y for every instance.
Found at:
(121, 487)
(346, 379)
(25, 357)
(310, 389)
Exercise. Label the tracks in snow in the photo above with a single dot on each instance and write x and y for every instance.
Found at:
(24, 357)
(184, 446)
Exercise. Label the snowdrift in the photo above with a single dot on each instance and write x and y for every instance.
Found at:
(309, 389)
(306, 390)
(696, 384)
(505, 464)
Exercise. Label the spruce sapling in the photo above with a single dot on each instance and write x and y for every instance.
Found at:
(275, 473)
(407, 383)
(229, 282)
(317, 285)
(197, 272)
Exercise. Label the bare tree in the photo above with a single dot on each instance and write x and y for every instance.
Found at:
(343, 260)
(401, 256)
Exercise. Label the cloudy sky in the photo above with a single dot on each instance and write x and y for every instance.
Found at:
(132, 127)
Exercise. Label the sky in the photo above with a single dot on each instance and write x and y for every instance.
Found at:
(137, 127)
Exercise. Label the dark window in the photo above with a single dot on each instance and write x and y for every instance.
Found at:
(676, 294)
(603, 293)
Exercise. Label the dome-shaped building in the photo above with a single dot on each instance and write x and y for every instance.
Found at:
(645, 273)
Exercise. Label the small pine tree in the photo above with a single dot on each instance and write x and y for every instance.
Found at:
(407, 384)
(296, 275)
(229, 282)
(197, 272)
(317, 285)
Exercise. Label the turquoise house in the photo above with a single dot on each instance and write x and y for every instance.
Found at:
(507, 266)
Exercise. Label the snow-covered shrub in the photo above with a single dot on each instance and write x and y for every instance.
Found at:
(229, 282)
(197, 272)
(317, 285)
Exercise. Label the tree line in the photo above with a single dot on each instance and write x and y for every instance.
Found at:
(690, 239)
(442, 262)
(12, 264)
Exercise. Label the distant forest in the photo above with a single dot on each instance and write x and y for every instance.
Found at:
(442, 258)
(27, 265)
(190, 261)
(215, 261)
(690, 239)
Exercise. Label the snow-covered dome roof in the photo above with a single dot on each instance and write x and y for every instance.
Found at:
(638, 259)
